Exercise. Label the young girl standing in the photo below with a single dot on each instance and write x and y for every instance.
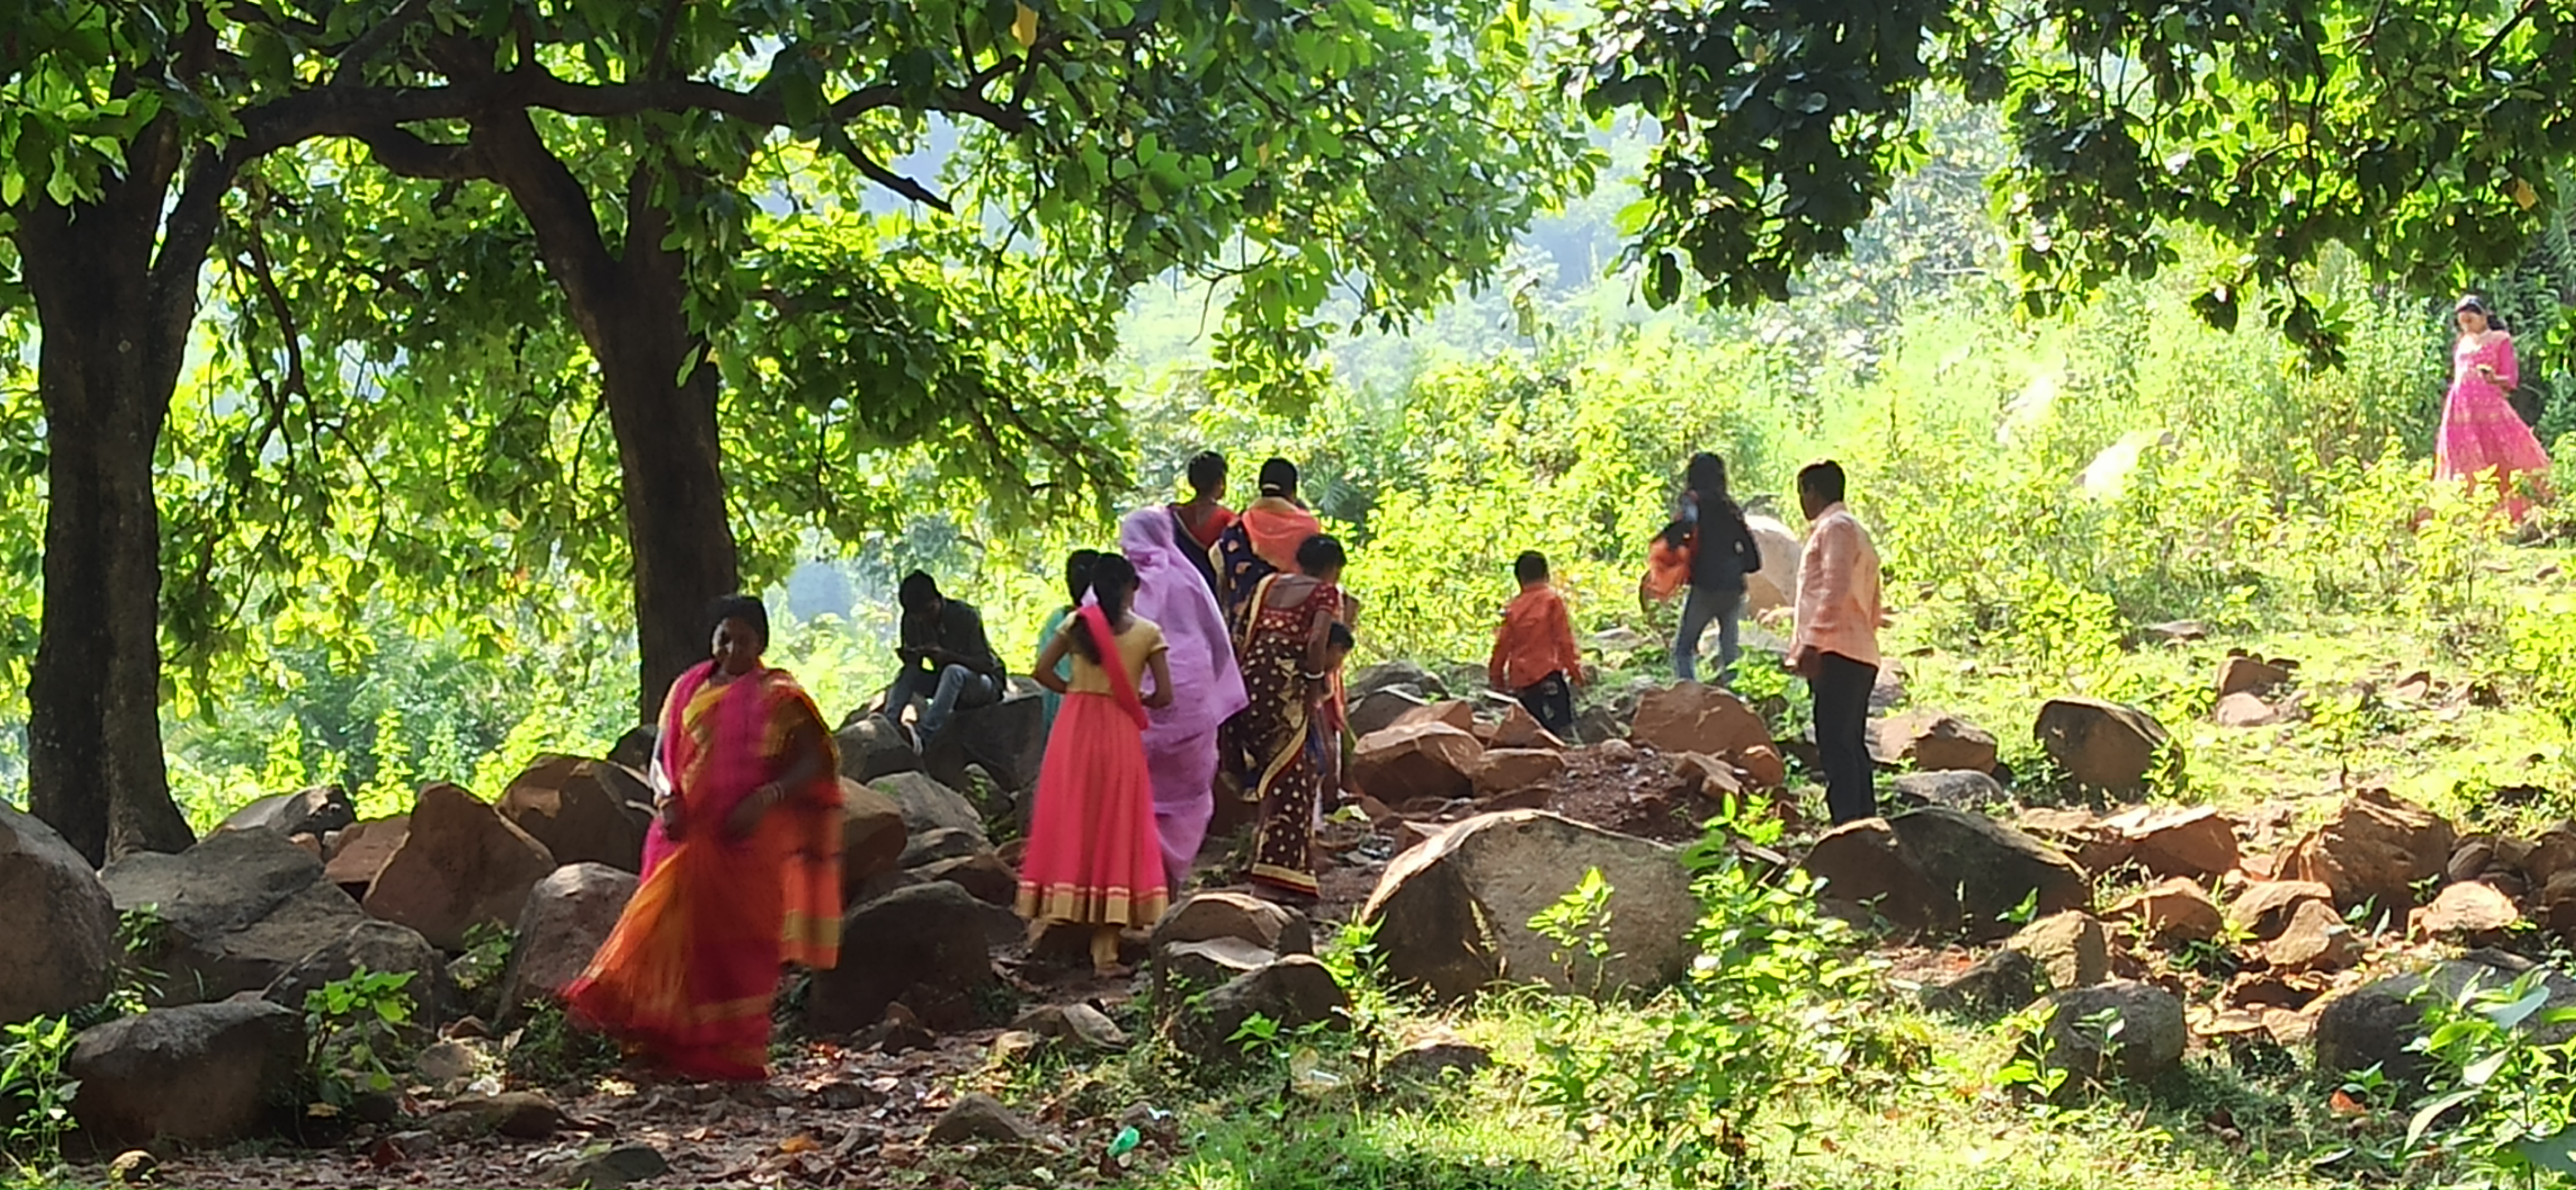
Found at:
(1094, 858)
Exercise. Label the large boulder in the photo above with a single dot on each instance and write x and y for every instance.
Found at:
(1520, 729)
(234, 912)
(2148, 1041)
(2373, 851)
(1510, 770)
(1006, 739)
(927, 805)
(2379, 1023)
(569, 804)
(363, 850)
(1979, 871)
(1862, 865)
(2314, 939)
(924, 945)
(2193, 841)
(568, 916)
(873, 836)
(315, 811)
(374, 946)
(1693, 718)
(1379, 709)
(1206, 916)
(2264, 908)
(462, 865)
(1415, 761)
(2172, 913)
(1453, 914)
(2470, 913)
(2004, 981)
(1386, 674)
(1774, 586)
(1932, 741)
(873, 748)
(64, 952)
(2102, 745)
(635, 749)
(202, 1074)
(1293, 993)
(1959, 789)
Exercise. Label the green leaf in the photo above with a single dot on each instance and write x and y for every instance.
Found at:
(2425, 1116)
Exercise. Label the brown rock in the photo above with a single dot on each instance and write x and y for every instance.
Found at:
(2170, 841)
(2470, 859)
(1862, 865)
(566, 803)
(1455, 713)
(2241, 674)
(983, 875)
(1206, 916)
(2550, 854)
(1520, 729)
(1707, 776)
(1407, 762)
(2069, 948)
(308, 843)
(1615, 752)
(1933, 742)
(63, 953)
(1510, 770)
(2172, 913)
(2102, 745)
(2470, 914)
(2315, 940)
(568, 916)
(2289, 1027)
(2244, 711)
(873, 836)
(2558, 904)
(461, 865)
(1695, 718)
(2265, 907)
(364, 850)
(1410, 834)
(2374, 849)
(1762, 766)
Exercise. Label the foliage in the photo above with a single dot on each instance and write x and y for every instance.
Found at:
(35, 1092)
(1579, 924)
(2497, 1100)
(355, 1032)
(548, 1049)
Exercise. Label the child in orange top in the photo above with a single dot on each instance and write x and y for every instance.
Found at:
(1535, 659)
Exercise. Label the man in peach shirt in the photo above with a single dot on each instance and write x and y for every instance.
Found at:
(1836, 647)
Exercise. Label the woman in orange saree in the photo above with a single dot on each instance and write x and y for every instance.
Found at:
(742, 867)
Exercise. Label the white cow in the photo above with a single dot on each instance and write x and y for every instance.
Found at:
(1775, 586)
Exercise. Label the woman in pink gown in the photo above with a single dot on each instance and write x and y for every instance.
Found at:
(2481, 434)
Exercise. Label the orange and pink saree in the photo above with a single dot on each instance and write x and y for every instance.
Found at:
(690, 971)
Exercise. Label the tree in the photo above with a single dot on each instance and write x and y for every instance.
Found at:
(2424, 136)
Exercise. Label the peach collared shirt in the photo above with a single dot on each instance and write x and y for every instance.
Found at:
(1838, 597)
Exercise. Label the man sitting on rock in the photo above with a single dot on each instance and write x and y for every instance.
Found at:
(946, 659)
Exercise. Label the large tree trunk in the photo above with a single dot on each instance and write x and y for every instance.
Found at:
(113, 339)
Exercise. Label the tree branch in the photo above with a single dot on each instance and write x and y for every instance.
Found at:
(382, 34)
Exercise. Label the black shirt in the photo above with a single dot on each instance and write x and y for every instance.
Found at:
(957, 629)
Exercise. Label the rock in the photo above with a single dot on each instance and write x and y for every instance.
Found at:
(363, 851)
(874, 840)
(2068, 948)
(1457, 713)
(2470, 914)
(1963, 789)
(375, 946)
(235, 911)
(2244, 711)
(313, 811)
(1183, 969)
(1695, 718)
(2175, 841)
(2558, 904)
(1387, 674)
(2373, 850)
(898, 1032)
(133, 1167)
(1380, 709)
(1978, 871)
(2469, 860)
(977, 1118)
(1863, 867)
(924, 945)
(563, 802)
(1776, 584)
(1614, 752)
(1005, 739)
(1510, 770)
(2148, 1041)
(1763, 767)
(2241, 674)
(2378, 1023)
(1520, 729)
(1453, 914)
(568, 917)
(2174, 632)
(519, 1115)
(635, 749)
(1204, 916)
(1708, 776)
(873, 748)
(445, 1061)
(257, 955)
(2550, 854)
(239, 1060)
(1411, 762)
(942, 844)
(927, 805)
(1433, 1058)
(1080, 1026)
(64, 953)
(1293, 992)
(2005, 981)
(1933, 741)
(2314, 939)
(2263, 908)
(983, 875)
(614, 1169)
(2172, 913)
(2102, 745)
(462, 865)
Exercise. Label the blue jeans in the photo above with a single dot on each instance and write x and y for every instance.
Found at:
(952, 689)
(1698, 610)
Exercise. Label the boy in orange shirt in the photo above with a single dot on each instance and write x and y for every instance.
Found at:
(1535, 659)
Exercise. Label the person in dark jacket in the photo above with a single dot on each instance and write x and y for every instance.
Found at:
(1722, 552)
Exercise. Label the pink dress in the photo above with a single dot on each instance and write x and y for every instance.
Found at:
(2480, 431)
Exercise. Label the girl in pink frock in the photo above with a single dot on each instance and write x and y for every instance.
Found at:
(2481, 433)
(1094, 858)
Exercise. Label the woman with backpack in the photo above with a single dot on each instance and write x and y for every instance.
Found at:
(1710, 548)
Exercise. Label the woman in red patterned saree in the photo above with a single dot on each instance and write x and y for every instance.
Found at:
(742, 868)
